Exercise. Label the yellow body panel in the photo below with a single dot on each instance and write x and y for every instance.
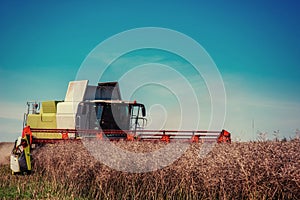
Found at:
(49, 106)
(47, 135)
(46, 119)
(27, 154)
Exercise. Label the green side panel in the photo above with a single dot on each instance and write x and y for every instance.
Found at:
(27, 154)
(49, 106)
(46, 118)
(33, 120)
(49, 117)
(42, 120)
(41, 135)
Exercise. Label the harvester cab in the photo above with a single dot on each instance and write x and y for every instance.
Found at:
(85, 107)
(111, 116)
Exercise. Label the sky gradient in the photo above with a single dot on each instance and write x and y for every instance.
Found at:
(255, 45)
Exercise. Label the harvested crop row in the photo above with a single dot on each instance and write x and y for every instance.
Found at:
(255, 170)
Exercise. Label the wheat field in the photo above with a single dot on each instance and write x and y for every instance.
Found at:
(252, 170)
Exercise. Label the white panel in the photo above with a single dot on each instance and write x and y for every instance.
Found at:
(65, 117)
(76, 90)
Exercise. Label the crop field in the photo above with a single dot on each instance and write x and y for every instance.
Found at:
(252, 170)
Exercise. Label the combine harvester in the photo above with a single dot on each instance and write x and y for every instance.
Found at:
(93, 112)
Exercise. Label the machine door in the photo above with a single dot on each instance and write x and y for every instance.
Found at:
(86, 117)
(103, 116)
(137, 117)
(115, 117)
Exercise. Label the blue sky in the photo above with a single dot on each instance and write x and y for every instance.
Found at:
(255, 45)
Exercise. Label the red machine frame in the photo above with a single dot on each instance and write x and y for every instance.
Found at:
(138, 135)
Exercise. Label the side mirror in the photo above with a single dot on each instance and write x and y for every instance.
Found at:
(143, 111)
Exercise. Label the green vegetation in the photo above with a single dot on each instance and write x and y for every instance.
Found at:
(26, 186)
(254, 170)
